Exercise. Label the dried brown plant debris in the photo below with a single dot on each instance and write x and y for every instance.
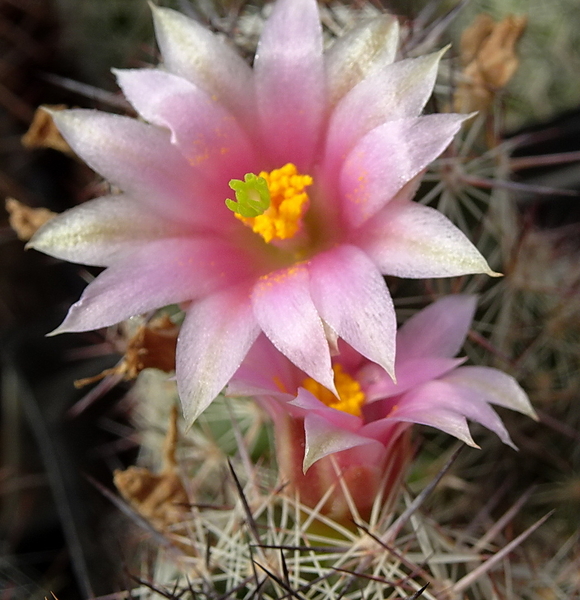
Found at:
(25, 220)
(43, 133)
(489, 59)
(152, 346)
(160, 498)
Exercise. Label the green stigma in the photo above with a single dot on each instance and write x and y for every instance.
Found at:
(252, 195)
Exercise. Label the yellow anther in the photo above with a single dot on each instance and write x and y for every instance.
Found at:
(351, 398)
(288, 203)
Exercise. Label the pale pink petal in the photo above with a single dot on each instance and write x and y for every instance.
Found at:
(136, 157)
(290, 82)
(192, 51)
(203, 130)
(324, 438)
(448, 397)
(351, 297)
(407, 239)
(215, 337)
(310, 404)
(385, 430)
(493, 386)
(439, 330)
(285, 311)
(397, 91)
(377, 384)
(388, 157)
(99, 231)
(265, 371)
(364, 49)
(159, 273)
(424, 414)
(350, 359)
(252, 385)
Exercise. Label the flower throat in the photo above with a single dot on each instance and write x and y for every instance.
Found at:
(350, 399)
(273, 203)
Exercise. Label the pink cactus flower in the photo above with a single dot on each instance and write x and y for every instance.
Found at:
(361, 435)
(268, 199)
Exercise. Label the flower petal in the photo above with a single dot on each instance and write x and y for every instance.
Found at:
(324, 438)
(492, 386)
(385, 159)
(207, 134)
(439, 330)
(215, 337)
(290, 82)
(285, 311)
(352, 298)
(265, 371)
(448, 397)
(99, 231)
(159, 273)
(192, 51)
(377, 384)
(407, 239)
(397, 91)
(364, 49)
(424, 414)
(308, 403)
(136, 157)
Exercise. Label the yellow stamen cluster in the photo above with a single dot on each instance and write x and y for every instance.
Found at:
(351, 398)
(288, 203)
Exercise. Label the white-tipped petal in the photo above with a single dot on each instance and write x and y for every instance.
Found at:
(287, 315)
(192, 51)
(136, 157)
(361, 51)
(161, 272)
(440, 397)
(389, 157)
(351, 296)
(102, 230)
(215, 337)
(397, 91)
(324, 438)
(205, 132)
(495, 386)
(407, 239)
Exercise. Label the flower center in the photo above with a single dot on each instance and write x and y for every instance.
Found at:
(273, 203)
(351, 397)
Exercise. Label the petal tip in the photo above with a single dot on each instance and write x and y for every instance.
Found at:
(36, 241)
(308, 462)
(155, 10)
(511, 445)
(390, 369)
(60, 329)
(191, 407)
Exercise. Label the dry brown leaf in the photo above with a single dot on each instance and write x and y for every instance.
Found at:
(43, 133)
(152, 346)
(26, 220)
(160, 498)
(489, 59)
